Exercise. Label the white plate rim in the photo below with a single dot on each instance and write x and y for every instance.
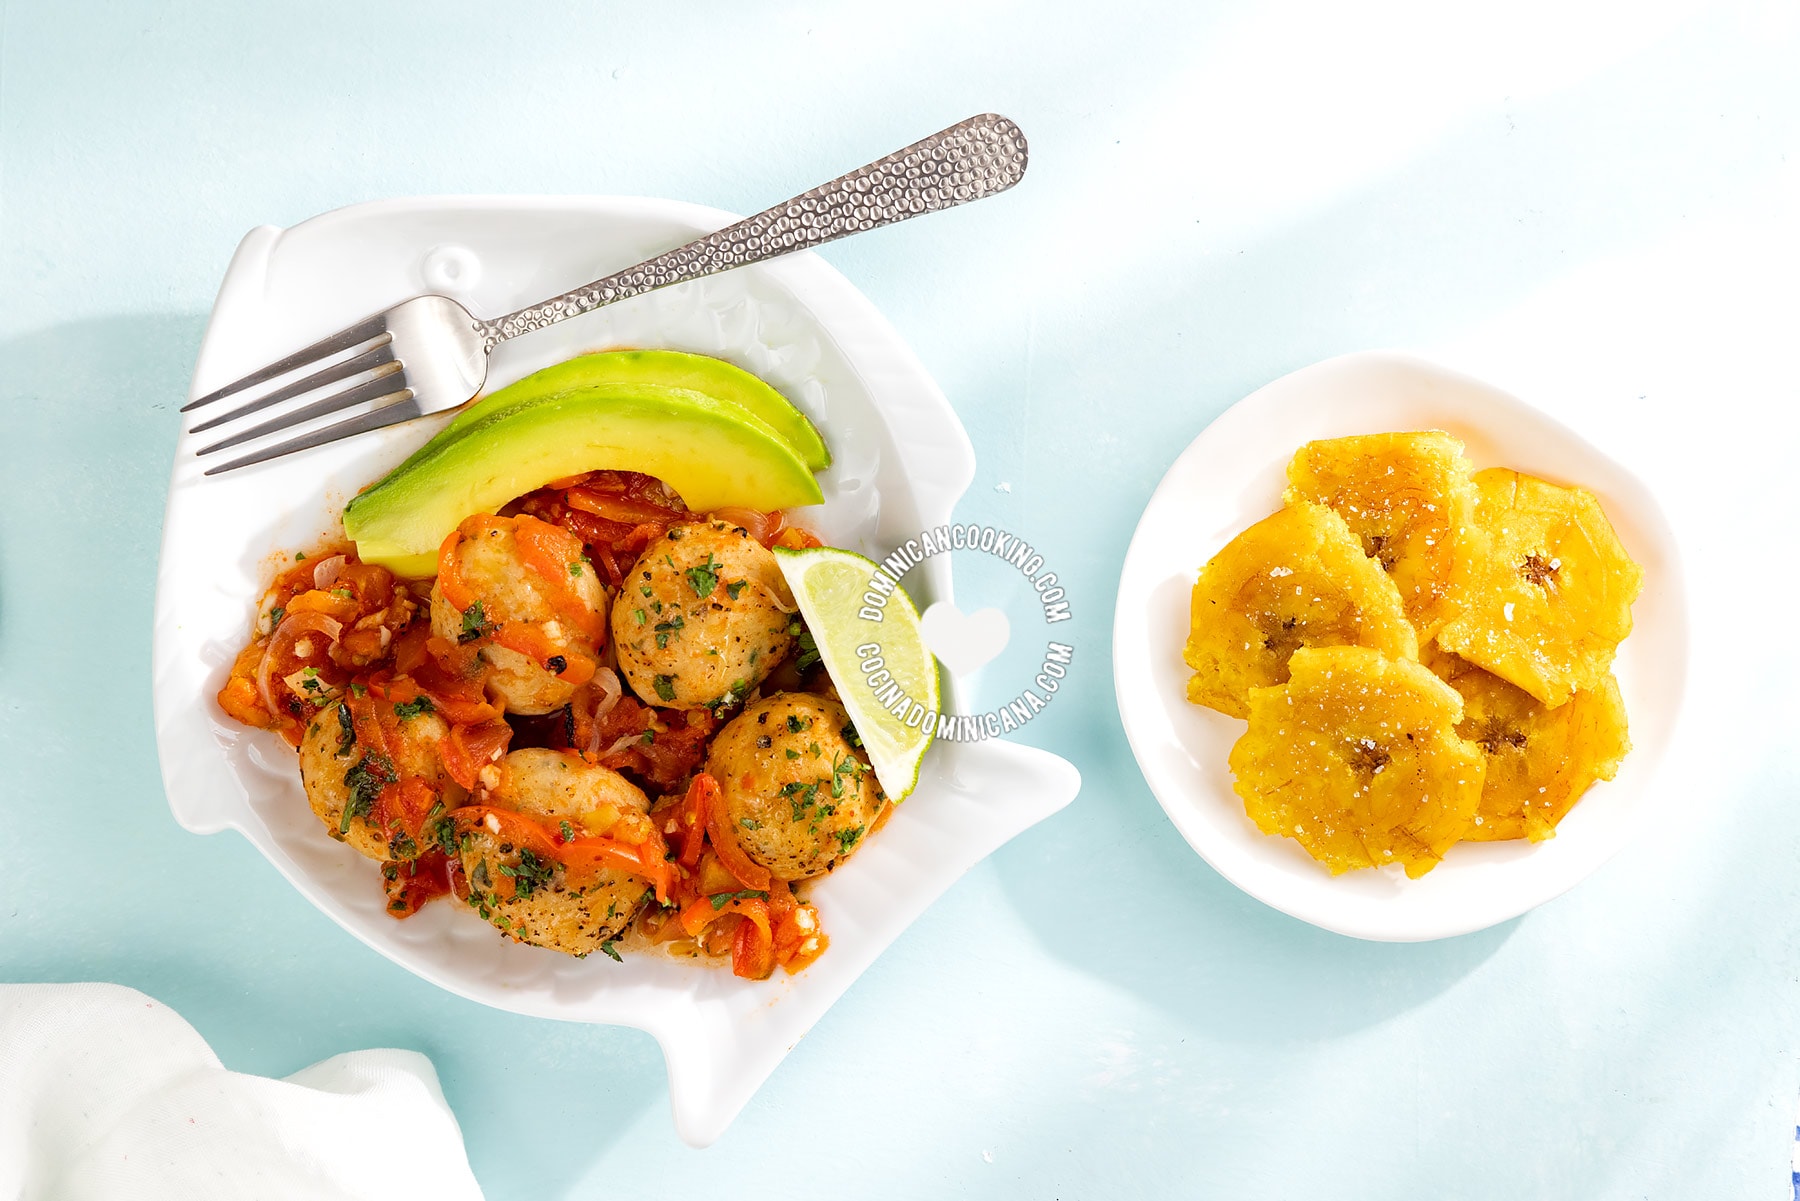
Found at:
(709, 1080)
(1133, 641)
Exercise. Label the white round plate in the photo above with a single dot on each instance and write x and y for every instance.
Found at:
(1231, 476)
(901, 461)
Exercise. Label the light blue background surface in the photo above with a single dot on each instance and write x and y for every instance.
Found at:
(1594, 207)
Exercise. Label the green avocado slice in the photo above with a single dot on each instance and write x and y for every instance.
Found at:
(661, 368)
(712, 453)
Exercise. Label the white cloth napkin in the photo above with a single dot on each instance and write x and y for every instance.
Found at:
(108, 1095)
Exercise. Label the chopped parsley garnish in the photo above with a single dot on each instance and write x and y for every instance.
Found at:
(531, 873)
(343, 594)
(665, 687)
(800, 797)
(568, 832)
(299, 556)
(357, 689)
(792, 753)
(797, 724)
(346, 731)
(722, 899)
(849, 838)
(732, 696)
(847, 766)
(365, 779)
(749, 823)
(666, 630)
(275, 616)
(649, 737)
(443, 832)
(851, 736)
(704, 578)
(418, 705)
(644, 588)
(575, 567)
(734, 588)
(474, 623)
(611, 948)
(642, 616)
(809, 651)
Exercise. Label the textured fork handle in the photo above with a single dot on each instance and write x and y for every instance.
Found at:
(979, 157)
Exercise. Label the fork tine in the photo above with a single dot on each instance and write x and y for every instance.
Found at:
(344, 339)
(380, 388)
(401, 410)
(373, 357)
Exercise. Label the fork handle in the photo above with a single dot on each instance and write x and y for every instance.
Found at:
(976, 158)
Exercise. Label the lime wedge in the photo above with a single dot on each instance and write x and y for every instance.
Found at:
(894, 702)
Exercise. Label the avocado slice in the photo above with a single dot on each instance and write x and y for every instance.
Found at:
(661, 368)
(711, 452)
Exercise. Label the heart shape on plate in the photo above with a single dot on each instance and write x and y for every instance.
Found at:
(964, 642)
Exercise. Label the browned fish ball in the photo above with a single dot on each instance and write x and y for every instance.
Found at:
(336, 777)
(800, 798)
(490, 566)
(547, 908)
(703, 617)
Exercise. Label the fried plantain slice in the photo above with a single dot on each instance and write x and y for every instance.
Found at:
(1539, 760)
(1357, 759)
(1409, 498)
(1296, 578)
(1550, 599)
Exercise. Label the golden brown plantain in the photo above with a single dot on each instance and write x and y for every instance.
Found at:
(1409, 498)
(1295, 579)
(1550, 599)
(1539, 760)
(1357, 758)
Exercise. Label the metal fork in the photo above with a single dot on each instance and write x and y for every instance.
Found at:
(429, 354)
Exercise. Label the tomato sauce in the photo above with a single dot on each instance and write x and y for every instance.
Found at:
(333, 629)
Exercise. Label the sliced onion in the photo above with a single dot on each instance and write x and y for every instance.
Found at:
(326, 573)
(296, 683)
(760, 526)
(773, 587)
(624, 741)
(607, 680)
(290, 631)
